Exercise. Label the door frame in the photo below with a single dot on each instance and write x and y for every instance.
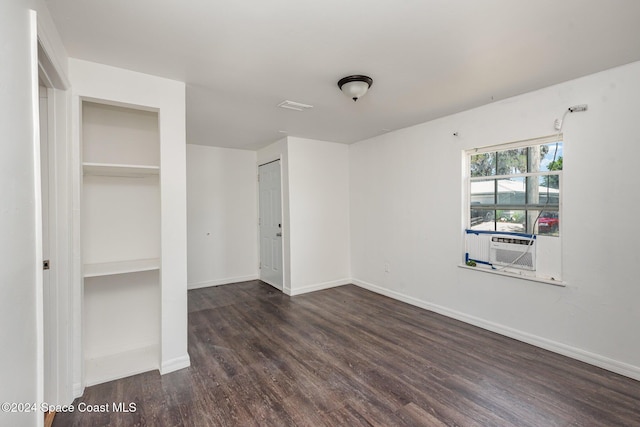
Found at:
(58, 322)
(50, 356)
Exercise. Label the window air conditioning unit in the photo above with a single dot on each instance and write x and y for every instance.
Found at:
(513, 251)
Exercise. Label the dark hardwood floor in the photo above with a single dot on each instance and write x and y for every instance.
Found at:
(349, 357)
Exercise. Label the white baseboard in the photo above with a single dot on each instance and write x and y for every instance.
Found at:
(219, 282)
(120, 365)
(575, 353)
(167, 367)
(175, 364)
(318, 287)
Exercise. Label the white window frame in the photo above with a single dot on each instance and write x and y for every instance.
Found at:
(549, 264)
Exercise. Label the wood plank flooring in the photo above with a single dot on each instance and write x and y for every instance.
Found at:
(348, 357)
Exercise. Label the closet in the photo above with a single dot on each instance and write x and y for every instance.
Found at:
(121, 241)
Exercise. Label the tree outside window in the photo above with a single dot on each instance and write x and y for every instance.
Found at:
(516, 189)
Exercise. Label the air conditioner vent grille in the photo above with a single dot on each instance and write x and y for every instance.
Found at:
(506, 257)
(513, 251)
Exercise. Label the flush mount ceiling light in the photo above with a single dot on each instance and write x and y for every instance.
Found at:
(355, 86)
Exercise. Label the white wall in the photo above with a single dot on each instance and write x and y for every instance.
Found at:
(17, 216)
(222, 213)
(406, 211)
(20, 246)
(319, 214)
(315, 211)
(123, 87)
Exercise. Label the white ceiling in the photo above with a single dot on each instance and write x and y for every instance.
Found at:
(428, 58)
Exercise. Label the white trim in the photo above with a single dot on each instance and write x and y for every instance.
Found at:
(77, 287)
(575, 353)
(51, 67)
(219, 282)
(518, 175)
(37, 209)
(521, 274)
(59, 324)
(175, 364)
(516, 144)
(318, 287)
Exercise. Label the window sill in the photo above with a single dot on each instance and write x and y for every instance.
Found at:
(522, 276)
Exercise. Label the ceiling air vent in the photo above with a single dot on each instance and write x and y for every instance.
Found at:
(291, 105)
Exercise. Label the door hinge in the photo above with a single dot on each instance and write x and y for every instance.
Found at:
(46, 264)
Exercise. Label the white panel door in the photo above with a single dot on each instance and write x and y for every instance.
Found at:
(270, 224)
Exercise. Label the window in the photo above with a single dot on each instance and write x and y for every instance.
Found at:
(513, 209)
(516, 188)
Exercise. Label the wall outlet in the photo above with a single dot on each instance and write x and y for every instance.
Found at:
(387, 268)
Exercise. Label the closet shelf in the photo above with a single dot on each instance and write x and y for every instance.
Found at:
(121, 267)
(119, 170)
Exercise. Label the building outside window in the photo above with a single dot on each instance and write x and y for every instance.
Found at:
(516, 188)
